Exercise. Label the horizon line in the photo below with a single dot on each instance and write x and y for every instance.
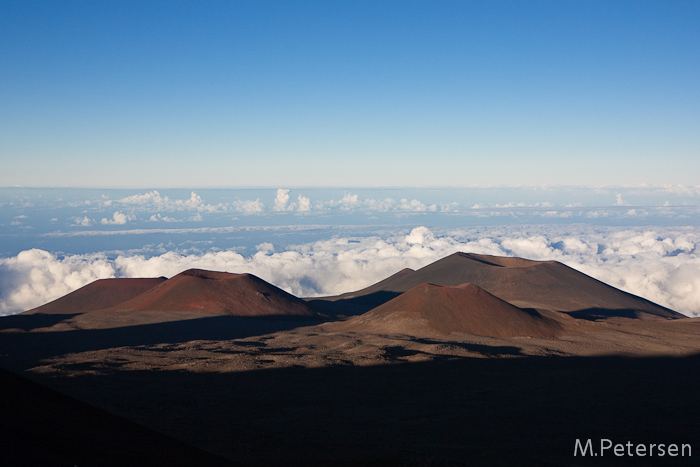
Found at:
(297, 187)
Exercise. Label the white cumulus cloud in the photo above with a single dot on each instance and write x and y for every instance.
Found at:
(304, 203)
(34, 277)
(619, 201)
(347, 202)
(281, 199)
(118, 218)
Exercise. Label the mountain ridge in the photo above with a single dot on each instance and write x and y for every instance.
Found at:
(547, 285)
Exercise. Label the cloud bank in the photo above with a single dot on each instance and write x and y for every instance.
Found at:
(674, 205)
(660, 264)
(154, 199)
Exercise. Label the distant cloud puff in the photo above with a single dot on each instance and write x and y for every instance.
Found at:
(151, 198)
(304, 203)
(281, 199)
(415, 206)
(420, 236)
(248, 206)
(119, 218)
(267, 248)
(619, 201)
(282, 203)
(82, 221)
(160, 218)
(348, 202)
(154, 200)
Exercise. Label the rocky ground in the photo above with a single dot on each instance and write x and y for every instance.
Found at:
(285, 392)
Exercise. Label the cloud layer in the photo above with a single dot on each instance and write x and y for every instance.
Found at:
(70, 210)
(660, 264)
(602, 204)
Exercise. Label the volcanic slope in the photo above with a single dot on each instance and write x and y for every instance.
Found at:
(98, 295)
(547, 285)
(430, 309)
(219, 293)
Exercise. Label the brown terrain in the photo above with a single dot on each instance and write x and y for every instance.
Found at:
(429, 309)
(472, 360)
(524, 283)
(98, 295)
(218, 293)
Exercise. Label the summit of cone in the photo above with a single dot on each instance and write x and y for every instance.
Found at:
(437, 309)
(221, 293)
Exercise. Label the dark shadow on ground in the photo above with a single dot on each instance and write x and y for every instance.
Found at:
(29, 322)
(597, 314)
(487, 350)
(461, 411)
(514, 410)
(359, 305)
(40, 427)
(42, 345)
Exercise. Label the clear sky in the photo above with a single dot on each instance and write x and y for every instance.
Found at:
(349, 93)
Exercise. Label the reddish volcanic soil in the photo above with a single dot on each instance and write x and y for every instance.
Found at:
(434, 309)
(98, 295)
(546, 285)
(218, 293)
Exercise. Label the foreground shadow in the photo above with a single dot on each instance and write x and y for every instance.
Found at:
(30, 322)
(486, 350)
(462, 411)
(36, 346)
(41, 427)
(509, 409)
(598, 314)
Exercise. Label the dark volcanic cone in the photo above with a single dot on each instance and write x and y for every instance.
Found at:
(219, 293)
(435, 309)
(524, 283)
(98, 295)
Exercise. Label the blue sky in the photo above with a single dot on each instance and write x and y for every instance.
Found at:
(349, 93)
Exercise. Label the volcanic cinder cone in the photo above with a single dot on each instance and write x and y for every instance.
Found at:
(98, 295)
(547, 285)
(431, 309)
(218, 293)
